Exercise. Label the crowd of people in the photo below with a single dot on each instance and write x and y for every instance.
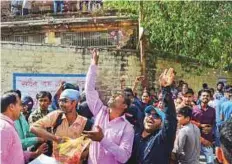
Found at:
(25, 7)
(168, 127)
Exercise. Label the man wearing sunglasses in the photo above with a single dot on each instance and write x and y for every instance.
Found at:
(154, 142)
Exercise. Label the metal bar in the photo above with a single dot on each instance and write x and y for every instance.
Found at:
(108, 48)
(64, 20)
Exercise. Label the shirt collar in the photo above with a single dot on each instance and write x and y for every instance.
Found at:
(40, 111)
(200, 107)
(123, 117)
(77, 121)
(6, 118)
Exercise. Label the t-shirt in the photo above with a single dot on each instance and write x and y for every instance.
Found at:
(187, 144)
(226, 110)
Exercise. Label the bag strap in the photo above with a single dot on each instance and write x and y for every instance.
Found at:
(58, 122)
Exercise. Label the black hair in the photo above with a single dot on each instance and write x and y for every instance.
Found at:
(180, 82)
(26, 100)
(212, 91)
(146, 91)
(184, 84)
(18, 92)
(204, 85)
(220, 82)
(152, 88)
(228, 88)
(8, 98)
(199, 93)
(207, 91)
(83, 97)
(43, 94)
(226, 140)
(129, 90)
(185, 111)
(127, 101)
(71, 86)
(190, 90)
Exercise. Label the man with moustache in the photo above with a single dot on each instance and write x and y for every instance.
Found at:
(154, 142)
(219, 92)
(11, 151)
(70, 123)
(204, 117)
(113, 134)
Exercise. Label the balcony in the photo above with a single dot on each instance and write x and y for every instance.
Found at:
(77, 26)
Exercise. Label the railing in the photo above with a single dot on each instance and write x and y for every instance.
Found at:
(35, 38)
(80, 39)
(46, 7)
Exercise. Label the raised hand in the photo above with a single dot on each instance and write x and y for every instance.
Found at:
(167, 77)
(95, 56)
(139, 78)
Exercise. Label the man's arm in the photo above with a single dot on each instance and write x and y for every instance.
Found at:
(136, 82)
(31, 155)
(39, 127)
(178, 149)
(92, 96)
(218, 113)
(168, 132)
(216, 131)
(27, 142)
(170, 122)
(55, 104)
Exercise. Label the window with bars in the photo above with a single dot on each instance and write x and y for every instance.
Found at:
(24, 38)
(86, 39)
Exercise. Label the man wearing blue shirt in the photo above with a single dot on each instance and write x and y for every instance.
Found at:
(154, 142)
(227, 96)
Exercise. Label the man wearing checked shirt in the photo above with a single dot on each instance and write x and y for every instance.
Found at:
(113, 135)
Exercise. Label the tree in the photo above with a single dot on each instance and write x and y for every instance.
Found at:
(198, 30)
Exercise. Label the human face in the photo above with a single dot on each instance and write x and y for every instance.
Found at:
(151, 122)
(160, 105)
(67, 105)
(228, 95)
(205, 97)
(24, 108)
(16, 109)
(182, 120)
(178, 101)
(128, 95)
(145, 98)
(188, 99)
(117, 102)
(44, 103)
(184, 88)
(219, 87)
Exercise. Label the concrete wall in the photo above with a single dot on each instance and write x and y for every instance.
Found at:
(194, 74)
(112, 66)
(38, 59)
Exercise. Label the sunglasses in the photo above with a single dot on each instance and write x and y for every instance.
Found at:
(154, 115)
